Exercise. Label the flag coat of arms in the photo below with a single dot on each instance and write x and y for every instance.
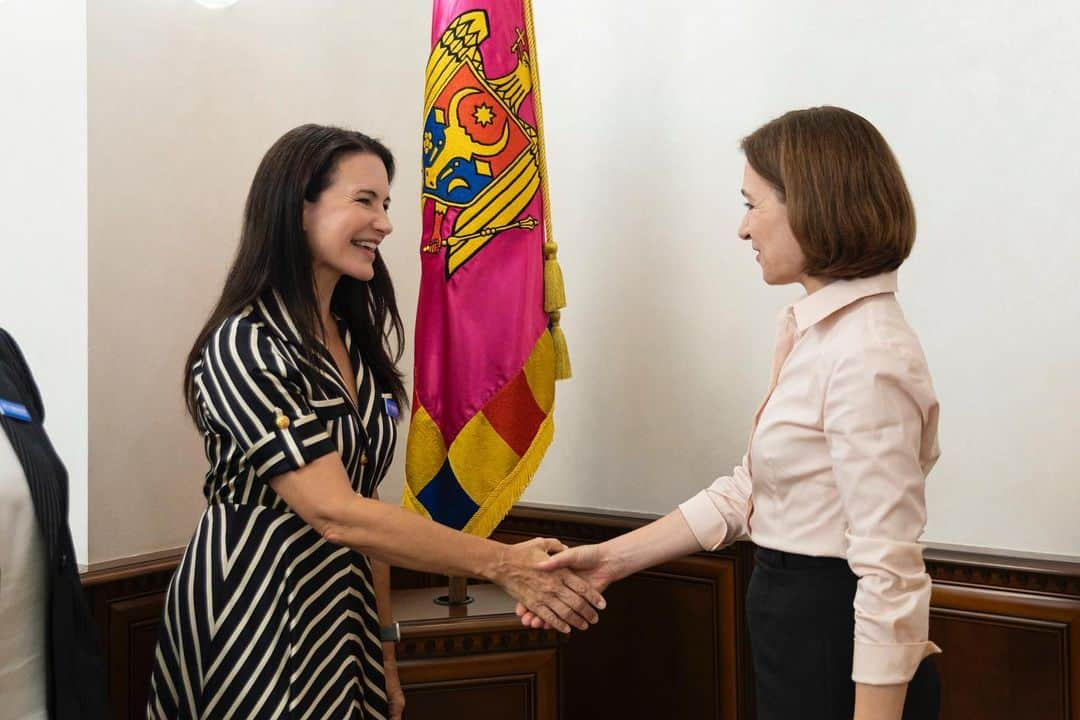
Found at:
(488, 347)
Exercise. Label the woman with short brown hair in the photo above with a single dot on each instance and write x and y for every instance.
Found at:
(831, 489)
(846, 198)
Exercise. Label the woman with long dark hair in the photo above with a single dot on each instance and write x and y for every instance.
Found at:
(280, 602)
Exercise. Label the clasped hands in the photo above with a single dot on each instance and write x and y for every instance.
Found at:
(556, 586)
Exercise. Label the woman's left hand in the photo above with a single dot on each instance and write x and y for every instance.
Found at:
(395, 696)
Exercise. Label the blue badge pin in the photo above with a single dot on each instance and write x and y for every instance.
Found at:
(14, 410)
(390, 405)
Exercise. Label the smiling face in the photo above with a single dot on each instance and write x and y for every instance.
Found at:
(348, 221)
(766, 226)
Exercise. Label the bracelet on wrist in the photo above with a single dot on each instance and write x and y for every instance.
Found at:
(390, 633)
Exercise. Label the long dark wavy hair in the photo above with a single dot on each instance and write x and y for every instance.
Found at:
(274, 253)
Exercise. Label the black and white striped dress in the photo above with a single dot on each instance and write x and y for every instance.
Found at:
(263, 618)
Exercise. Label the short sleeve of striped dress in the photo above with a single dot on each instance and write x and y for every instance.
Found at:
(251, 390)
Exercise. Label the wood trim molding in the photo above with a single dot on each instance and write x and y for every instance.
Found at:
(966, 567)
(460, 637)
(133, 567)
(993, 571)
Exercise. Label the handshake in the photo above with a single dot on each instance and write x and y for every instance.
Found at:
(556, 586)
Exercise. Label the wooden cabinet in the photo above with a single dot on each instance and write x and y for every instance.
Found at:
(475, 661)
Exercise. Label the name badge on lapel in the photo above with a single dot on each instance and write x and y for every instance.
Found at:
(15, 411)
(390, 406)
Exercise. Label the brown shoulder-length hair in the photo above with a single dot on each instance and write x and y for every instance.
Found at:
(847, 201)
(274, 254)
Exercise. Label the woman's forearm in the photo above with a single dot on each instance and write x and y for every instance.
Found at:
(320, 493)
(665, 539)
(399, 537)
(879, 702)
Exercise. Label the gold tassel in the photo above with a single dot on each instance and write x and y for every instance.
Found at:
(562, 355)
(554, 290)
(554, 299)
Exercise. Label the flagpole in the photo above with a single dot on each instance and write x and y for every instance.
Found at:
(457, 594)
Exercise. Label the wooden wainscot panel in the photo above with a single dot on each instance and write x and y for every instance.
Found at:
(503, 685)
(133, 627)
(475, 661)
(126, 604)
(671, 641)
(1006, 654)
(664, 647)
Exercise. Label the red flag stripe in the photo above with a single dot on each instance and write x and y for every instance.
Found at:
(514, 414)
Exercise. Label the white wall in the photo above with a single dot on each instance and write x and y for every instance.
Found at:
(669, 325)
(183, 103)
(43, 218)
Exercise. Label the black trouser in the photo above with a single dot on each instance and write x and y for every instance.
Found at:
(802, 623)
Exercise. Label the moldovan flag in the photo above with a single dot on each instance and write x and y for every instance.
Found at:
(488, 343)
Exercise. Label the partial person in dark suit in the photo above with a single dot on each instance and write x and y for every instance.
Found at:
(50, 663)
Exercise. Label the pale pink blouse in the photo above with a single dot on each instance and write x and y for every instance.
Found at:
(837, 465)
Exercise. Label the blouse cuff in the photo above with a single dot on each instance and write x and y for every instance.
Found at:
(705, 521)
(888, 664)
(290, 448)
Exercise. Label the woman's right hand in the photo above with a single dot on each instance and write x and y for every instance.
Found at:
(560, 598)
(587, 563)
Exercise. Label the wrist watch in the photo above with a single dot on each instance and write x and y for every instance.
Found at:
(390, 633)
